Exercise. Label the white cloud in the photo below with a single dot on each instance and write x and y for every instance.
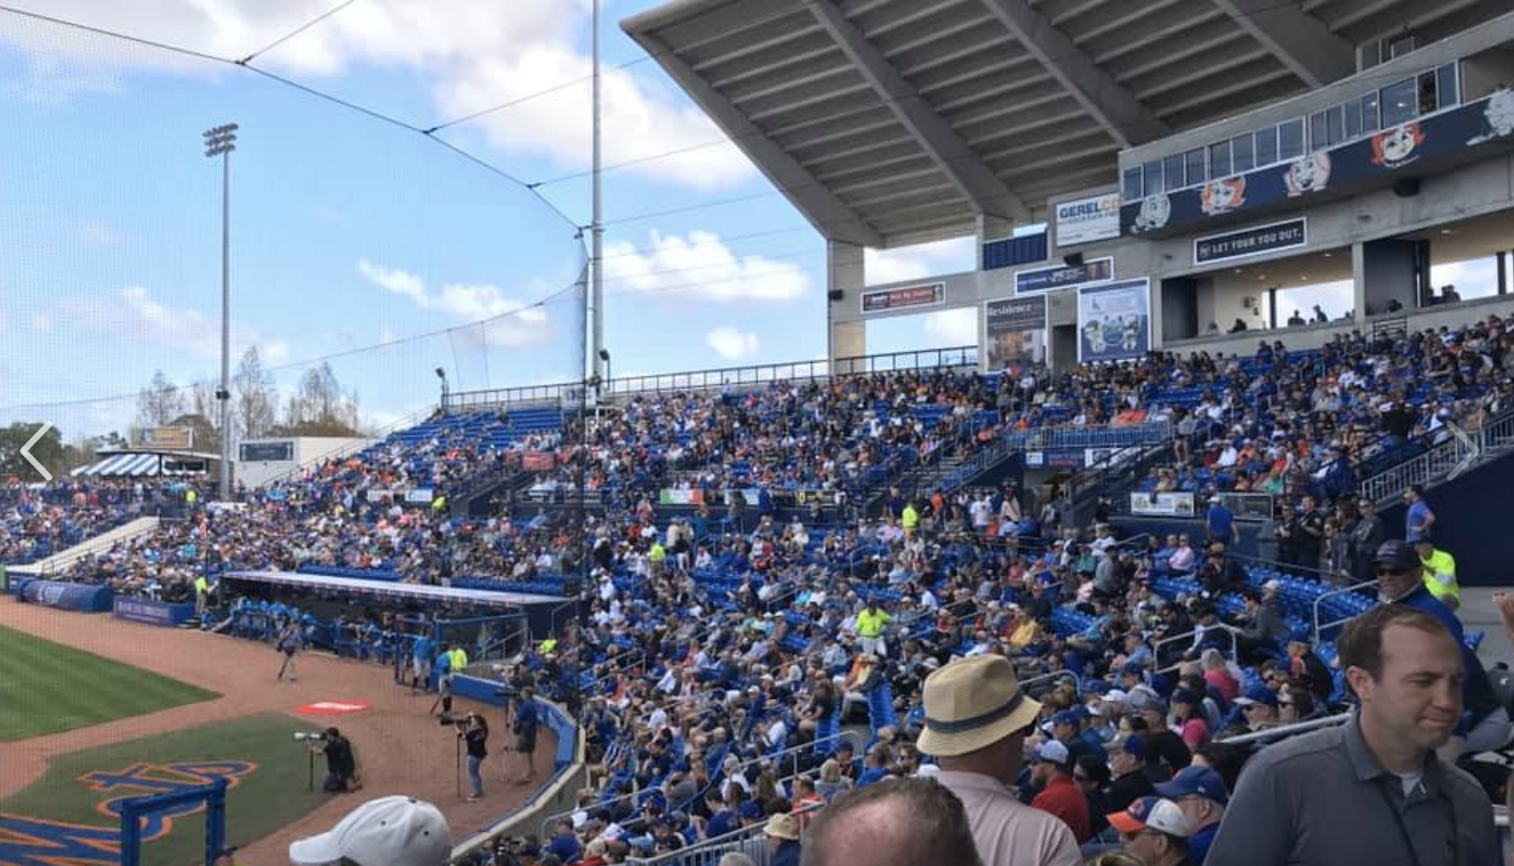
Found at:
(474, 56)
(921, 260)
(510, 323)
(731, 344)
(152, 321)
(42, 323)
(700, 267)
(953, 327)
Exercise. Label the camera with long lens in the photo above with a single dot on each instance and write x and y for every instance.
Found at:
(455, 721)
(310, 736)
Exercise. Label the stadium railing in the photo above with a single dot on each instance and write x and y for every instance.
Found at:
(793, 753)
(1438, 462)
(1320, 626)
(1280, 732)
(748, 840)
(702, 380)
(567, 778)
(1156, 649)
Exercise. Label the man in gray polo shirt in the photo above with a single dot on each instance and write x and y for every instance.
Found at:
(1372, 790)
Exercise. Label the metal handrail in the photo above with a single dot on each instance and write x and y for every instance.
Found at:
(1286, 730)
(703, 851)
(794, 751)
(925, 359)
(618, 665)
(1051, 677)
(1156, 649)
(1319, 601)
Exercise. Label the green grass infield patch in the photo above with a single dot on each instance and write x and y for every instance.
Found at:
(46, 687)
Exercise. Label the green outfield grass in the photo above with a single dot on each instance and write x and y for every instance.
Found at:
(47, 687)
(272, 794)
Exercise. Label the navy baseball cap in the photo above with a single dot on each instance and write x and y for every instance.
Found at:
(1133, 746)
(1397, 555)
(1199, 781)
(1257, 695)
(1066, 717)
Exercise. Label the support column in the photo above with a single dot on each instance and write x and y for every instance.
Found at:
(846, 333)
(1359, 284)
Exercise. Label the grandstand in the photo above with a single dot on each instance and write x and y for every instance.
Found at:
(688, 567)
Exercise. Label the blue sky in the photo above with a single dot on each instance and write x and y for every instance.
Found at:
(349, 233)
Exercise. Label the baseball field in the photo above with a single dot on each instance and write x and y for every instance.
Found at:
(94, 710)
(47, 687)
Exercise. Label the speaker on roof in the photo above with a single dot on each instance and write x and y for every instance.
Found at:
(1406, 187)
(836, 295)
(1073, 260)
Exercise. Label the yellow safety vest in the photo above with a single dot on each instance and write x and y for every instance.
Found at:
(202, 586)
(871, 624)
(549, 646)
(459, 660)
(910, 518)
(1440, 576)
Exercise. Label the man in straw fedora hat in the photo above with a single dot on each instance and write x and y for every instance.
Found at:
(976, 720)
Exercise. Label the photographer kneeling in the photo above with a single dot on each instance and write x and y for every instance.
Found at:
(475, 733)
(341, 765)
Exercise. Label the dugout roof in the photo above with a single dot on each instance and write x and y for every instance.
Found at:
(391, 590)
(890, 122)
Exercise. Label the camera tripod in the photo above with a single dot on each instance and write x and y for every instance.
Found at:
(310, 767)
(457, 764)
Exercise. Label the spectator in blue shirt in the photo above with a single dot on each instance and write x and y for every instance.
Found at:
(1418, 518)
(1220, 523)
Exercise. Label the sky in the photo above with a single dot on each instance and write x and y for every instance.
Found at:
(356, 240)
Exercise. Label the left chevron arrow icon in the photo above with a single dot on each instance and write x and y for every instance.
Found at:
(26, 451)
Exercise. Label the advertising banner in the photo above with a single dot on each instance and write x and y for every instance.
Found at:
(1114, 321)
(1064, 276)
(928, 295)
(537, 461)
(420, 496)
(1085, 220)
(1014, 331)
(153, 612)
(1352, 167)
(1162, 504)
(169, 438)
(680, 496)
(1251, 241)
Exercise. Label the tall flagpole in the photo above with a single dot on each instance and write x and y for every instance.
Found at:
(596, 227)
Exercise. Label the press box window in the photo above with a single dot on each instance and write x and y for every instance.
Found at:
(1447, 89)
(1219, 160)
(1369, 113)
(1242, 158)
(1319, 131)
(1427, 88)
(1172, 171)
(1153, 172)
(1133, 190)
(1266, 146)
(1290, 139)
(1195, 166)
(1400, 101)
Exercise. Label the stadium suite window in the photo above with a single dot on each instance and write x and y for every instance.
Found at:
(1399, 102)
(1266, 146)
(1153, 174)
(1242, 157)
(1172, 171)
(1290, 139)
(1133, 190)
(1219, 159)
(1196, 168)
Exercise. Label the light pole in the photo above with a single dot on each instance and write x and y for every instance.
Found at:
(442, 375)
(604, 355)
(221, 141)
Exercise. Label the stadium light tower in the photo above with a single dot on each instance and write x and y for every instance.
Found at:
(221, 141)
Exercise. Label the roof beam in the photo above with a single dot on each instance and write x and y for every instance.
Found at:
(1128, 121)
(978, 183)
(1299, 40)
(829, 214)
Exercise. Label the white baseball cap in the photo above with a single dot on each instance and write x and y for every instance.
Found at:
(388, 831)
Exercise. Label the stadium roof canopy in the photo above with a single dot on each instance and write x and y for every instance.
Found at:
(889, 122)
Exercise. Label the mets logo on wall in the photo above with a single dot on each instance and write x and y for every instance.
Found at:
(1223, 196)
(1396, 146)
(26, 841)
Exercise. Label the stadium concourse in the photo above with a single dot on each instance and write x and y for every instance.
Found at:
(733, 664)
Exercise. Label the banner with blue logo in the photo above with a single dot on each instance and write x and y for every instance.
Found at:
(1420, 145)
(1114, 321)
(84, 598)
(153, 612)
(1064, 276)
